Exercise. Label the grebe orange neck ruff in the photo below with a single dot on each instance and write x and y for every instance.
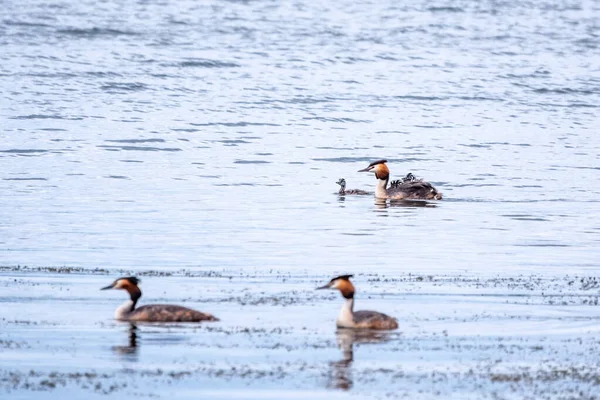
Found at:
(348, 318)
(151, 313)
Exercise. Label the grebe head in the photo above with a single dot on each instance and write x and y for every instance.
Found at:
(379, 168)
(342, 183)
(409, 178)
(130, 284)
(341, 283)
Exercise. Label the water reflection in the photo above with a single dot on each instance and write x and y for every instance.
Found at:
(130, 350)
(383, 203)
(341, 371)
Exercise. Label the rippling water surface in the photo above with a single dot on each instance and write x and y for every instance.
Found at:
(207, 137)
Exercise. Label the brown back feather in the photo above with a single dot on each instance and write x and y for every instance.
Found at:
(416, 190)
(169, 313)
(374, 320)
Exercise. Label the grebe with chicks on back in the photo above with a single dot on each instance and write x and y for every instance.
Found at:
(348, 318)
(153, 312)
(410, 188)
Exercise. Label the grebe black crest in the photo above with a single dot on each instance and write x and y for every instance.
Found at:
(349, 318)
(343, 191)
(409, 188)
(154, 312)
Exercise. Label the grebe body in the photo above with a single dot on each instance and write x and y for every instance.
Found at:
(154, 312)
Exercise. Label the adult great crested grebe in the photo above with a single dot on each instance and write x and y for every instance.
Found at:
(153, 312)
(349, 318)
(408, 189)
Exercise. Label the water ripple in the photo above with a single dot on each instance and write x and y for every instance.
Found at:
(124, 86)
(205, 63)
(25, 179)
(96, 32)
(136, 140)
(24, 151)
(234, 124)
(446, 9)
(44, 116)
(138, 148)
(331, 119)
(251, 162)
(26, 24)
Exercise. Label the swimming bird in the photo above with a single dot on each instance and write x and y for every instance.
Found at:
(154, 312)
(409, 189)
(343, 191)
(349, 318)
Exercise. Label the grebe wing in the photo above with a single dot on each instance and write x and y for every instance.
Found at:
(374, 320)
(168, 313)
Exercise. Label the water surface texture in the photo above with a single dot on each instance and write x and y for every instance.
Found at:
(197, 144)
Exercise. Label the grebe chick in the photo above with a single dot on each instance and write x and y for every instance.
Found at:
(408, 189)
(154, 312)
(408, 178)
(349, 318)
(343, 191)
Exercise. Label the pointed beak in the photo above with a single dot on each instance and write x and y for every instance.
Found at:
(323, 287)
(107, 287)
(366, 169)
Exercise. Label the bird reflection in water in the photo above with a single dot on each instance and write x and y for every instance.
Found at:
(341, 371)
(383, 203)
(130, 350)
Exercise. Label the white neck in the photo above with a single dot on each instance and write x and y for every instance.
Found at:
(124, 309)
(346, 317)
(380, 190)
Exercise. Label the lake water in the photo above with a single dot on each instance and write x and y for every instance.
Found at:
(197, 145)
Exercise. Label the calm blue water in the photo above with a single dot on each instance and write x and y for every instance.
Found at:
(208, 136)
(211, 134)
